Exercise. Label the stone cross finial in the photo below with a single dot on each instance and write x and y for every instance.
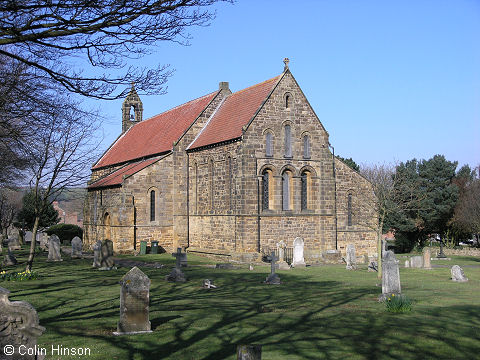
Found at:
(286, 61)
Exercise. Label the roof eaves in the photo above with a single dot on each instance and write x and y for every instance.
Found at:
(209, 146)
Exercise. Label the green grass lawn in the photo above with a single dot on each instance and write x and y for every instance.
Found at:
(323, 312)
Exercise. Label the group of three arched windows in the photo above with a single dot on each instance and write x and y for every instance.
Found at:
(287, 143)
(287, 189)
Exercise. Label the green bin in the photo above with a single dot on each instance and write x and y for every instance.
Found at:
(154, 248)
(143, 247)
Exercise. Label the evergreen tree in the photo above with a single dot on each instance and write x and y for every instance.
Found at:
(26, 216)
(350, 162)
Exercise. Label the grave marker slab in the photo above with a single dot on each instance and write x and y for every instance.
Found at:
(249, 352)
(134, 303)
(457, 274)
(298, 259)
(97, 249)
(416, 262)
(76, 247)
(106, 255)
(28, 237)
(390, 276)
(14, 243)
(282, 264)
(351, 257)
(9, 259)
(54, 249)
(427, 255)
(19, 325)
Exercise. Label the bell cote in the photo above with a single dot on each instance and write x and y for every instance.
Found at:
(132, 109)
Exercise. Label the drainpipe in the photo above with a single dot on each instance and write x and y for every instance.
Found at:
(188, 202)
(335, 194)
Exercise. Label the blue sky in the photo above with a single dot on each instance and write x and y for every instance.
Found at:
(389, 80)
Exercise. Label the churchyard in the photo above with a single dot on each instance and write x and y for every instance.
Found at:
(316, 312)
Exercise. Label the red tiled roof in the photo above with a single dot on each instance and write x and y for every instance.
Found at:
(116, 178)
(154, 135)
(235, 112)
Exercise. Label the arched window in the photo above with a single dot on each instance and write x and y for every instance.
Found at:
(132, 113)
(267, 189)
(228, 181)
(269, 144)
(305, 190)
(287, 193)
(152, 205)
(210, 172)
(288, 141)
(349, 209)
(287, 101)
(306, 146)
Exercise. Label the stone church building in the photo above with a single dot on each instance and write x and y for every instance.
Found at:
(229, 174)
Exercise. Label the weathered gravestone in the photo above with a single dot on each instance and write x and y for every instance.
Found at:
(249, 352)
(76, 247)
(351, 257)
(298, 259)
(427, 255)
(416, 262)
(134, 303)
(457, 274)
(273, 278)
(106, 255)
(9, 259)
(19, 325)
(176, 275)
(97, 250)
(44, 241)
(407, 263)
(14, 243)
(282, 264)
(390, 276)
(54, 249)
(28, 237)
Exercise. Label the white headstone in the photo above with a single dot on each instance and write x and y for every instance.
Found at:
(457, 274)
(351, 257)
(416, 262)
(298, 259)
(54, 249)
(282, 264)
(28, 236)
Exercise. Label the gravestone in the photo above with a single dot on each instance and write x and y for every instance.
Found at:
(390, 276)
(208, 284)
(250, 267)
(9, 259)
(14, 243)
(351, 257)
(407, 263)
(134, 303)
(106, 255)
(176, 274)
(332, 256)
(273, 278)
(54, 249)
(249, 352)
(282, 264)
(225, 266)
(19, 325)
(457, 274)
(427, 255)
(44, 241)
(28, 237)
(97, 254)
(298, 259)
(416, 262)
(76, 247)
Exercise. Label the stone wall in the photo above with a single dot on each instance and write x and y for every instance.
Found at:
(461, 252)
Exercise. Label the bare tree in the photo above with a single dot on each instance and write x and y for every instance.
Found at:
(104, 34)
(10, 205)
(61, 152)
(389, 198)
